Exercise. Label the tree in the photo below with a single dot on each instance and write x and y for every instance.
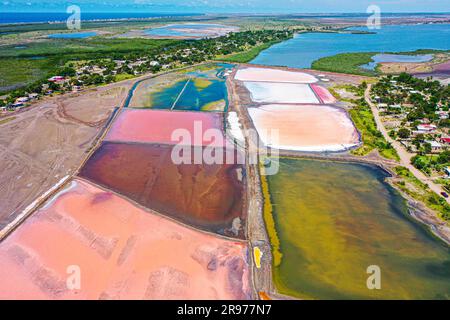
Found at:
(404, 133)
(427, 147)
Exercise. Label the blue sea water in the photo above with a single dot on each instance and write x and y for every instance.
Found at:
(31, 17)
(305, 48)
(74, 35)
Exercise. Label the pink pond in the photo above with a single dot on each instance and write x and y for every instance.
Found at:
(323, 94)
(309, 128)
(162, 126)
(119, 251)
(273, 75)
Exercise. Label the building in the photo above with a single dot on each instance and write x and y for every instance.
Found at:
(22, 100)
(435, 146)
(445, 141)
(426, 128)
(56, 79)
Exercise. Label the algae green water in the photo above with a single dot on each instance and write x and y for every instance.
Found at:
(203, 89)
(334, 220)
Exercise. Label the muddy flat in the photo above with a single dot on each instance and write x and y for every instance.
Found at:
(42, 145)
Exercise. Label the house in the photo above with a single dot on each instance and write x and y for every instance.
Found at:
(33, 95)
(17, 105)
(22, 100)
(426, 128)
(56, 79)
(154, 63)
(442, 114)
(435, 146)
(445, 141)
(447, 171)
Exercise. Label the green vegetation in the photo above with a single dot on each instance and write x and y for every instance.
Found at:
(247, 56)
(93, 47)
(421, 192)
(362, 117)
(372, 138)
(351, 62)
(106, 60)
(346, 63)
(19, 72)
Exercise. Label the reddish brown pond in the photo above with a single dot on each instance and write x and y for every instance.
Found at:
(208, 196)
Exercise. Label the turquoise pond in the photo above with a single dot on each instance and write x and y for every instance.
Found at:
(198, 90)
(305, 48)
(187, 95)
(75, 35)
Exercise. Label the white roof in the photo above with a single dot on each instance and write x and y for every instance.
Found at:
(433, 143)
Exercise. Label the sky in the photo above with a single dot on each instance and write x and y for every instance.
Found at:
(226, 6)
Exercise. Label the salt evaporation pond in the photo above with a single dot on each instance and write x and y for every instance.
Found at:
(158, 126)
(402, 58)
(310, 128)
(201, 89)
(122, 251)
(275, 92)
(334, 220)
(191, 30)
(303, 49)
(207, 196)
(74, 35)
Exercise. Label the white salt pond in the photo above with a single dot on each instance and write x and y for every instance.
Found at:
(276, 92)
(310, 128)
(273, 75)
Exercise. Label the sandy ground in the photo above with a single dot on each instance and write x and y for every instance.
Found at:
(161, 126)
(275, 92)
(49, 141)
(121, 252)
(273, 75)
(304, 128)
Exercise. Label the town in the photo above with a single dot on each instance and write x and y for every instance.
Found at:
(416, 113)
(78, 74)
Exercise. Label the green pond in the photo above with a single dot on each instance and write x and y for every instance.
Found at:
(334, 220)
(200, 90)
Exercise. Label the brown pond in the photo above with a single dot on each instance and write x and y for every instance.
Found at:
(207, 196)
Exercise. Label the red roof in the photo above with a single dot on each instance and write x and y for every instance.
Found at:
(446, 140)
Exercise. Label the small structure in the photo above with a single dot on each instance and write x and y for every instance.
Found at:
(22, 100)
(426, 128)
(435, 146)
(445, 140)
(447, 171)
(56, 79)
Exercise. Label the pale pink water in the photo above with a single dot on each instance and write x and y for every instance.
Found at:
(122, 252)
